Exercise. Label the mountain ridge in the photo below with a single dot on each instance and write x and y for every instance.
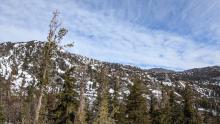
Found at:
(153, 69)
(19, 65)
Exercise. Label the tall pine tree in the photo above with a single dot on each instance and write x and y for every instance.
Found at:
(55, 36)
(137, 104)
(103, 116)
(81, 113)
(165, 110)
(190, 113)
(118, 107)
(154, 111)
(66, 109)
(176, 111)
(2, 116)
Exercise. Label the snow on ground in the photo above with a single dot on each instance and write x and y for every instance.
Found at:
(90, 92)
(177, 94)
(152, 79)
(127, 92)
(157, 93)
(111, 90)
(5, 67)
(182, 84)
(22, 79)
(67, 63)
(208, 110)
(60, 71)
(167, 83)
(203, 91)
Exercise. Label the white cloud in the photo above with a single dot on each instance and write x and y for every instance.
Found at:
(18, 34)
(108, 34)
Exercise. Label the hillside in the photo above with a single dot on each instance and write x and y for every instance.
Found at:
(19, 66)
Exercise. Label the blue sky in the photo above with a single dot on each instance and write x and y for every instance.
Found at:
(173, 34)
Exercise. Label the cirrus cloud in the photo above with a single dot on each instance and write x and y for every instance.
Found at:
(144, 33)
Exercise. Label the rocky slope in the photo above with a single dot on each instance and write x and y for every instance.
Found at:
(19, 63)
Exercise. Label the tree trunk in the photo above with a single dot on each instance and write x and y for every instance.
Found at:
(80, 118)
(45, 72)
(37, 110)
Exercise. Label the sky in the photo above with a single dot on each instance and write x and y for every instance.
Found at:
(171, 34)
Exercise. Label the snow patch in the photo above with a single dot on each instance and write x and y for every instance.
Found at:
(182, 84)
(157, 93)
(167, 83)
(111, 90)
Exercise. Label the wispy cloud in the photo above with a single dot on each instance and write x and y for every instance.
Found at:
(176, 35)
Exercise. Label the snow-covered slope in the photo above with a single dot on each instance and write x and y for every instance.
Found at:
(19, 64)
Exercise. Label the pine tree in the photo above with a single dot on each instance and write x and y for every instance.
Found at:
(46, 67)
(103, 116)
(120, 115)
(190, 114)
(99, 76)
(66, 109)
(154, 111)
(29, 103)
(115, 101)
(176, 111)
(137, 104)
(118, 107)
(81, 114)
(188, 106)
(2, 116)
(165, 110)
